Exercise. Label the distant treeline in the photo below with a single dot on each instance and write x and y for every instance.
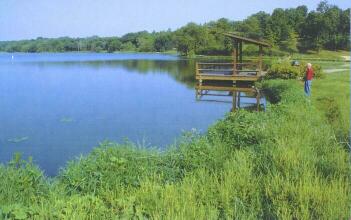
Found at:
(290, 30)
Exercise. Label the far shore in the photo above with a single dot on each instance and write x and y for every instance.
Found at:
(335, 56)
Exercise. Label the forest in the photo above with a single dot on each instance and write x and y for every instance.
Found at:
(289, 30)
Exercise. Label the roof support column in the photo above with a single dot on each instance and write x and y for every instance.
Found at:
(235, 56)
(241, 55)
(260, 60)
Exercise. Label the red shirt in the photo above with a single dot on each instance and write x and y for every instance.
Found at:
(309, 74)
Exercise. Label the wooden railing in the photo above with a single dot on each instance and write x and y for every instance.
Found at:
(227, 68)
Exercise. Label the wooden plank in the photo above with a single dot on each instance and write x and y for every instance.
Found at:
(228, 77)
(252, 63)
(225, 88)
(226, 64)
(242, 73)
(214, 70)
(245, 73)
(247, 40)
(215, 63)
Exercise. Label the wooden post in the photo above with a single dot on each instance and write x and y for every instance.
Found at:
(234, 101)
(237, 54)
(258, 101)
(234, 57)
(197, 72)
(239, 94)
(260, 60)
(241, 54)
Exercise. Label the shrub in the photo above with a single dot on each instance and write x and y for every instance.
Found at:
(284, 70)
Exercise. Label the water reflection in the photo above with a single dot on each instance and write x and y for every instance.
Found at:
(240, 96)
(180, 69)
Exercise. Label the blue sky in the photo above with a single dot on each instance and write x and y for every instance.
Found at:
(27, 19)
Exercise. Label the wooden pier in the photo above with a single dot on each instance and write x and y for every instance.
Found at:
(237, 70)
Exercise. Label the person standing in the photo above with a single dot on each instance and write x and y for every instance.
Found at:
(308, 79)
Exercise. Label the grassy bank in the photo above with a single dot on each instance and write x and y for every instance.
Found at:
(332, 96)
(284, 163)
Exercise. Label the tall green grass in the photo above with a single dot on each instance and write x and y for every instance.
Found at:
(284, 163)
(332, 97)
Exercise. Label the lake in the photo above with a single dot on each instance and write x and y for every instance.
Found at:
(57, 106)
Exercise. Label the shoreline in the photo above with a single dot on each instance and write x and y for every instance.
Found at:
(298, 56)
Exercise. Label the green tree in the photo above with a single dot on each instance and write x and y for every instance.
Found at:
(163, 42)
(217, 42)
(192, 39)
(313, 30)
(145, 43)
(128, 46)
(113, 44)
(344, 30)
(250, 27)
(291, 43)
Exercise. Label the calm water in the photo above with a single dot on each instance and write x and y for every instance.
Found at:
(55, 107)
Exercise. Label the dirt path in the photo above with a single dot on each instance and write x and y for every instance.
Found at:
(334, 70)
(344, 67)
(347, 58)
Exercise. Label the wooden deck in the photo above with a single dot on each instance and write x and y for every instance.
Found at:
(237, 70)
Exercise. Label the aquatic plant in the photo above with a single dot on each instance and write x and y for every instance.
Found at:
(18, 139)
(66, 120)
